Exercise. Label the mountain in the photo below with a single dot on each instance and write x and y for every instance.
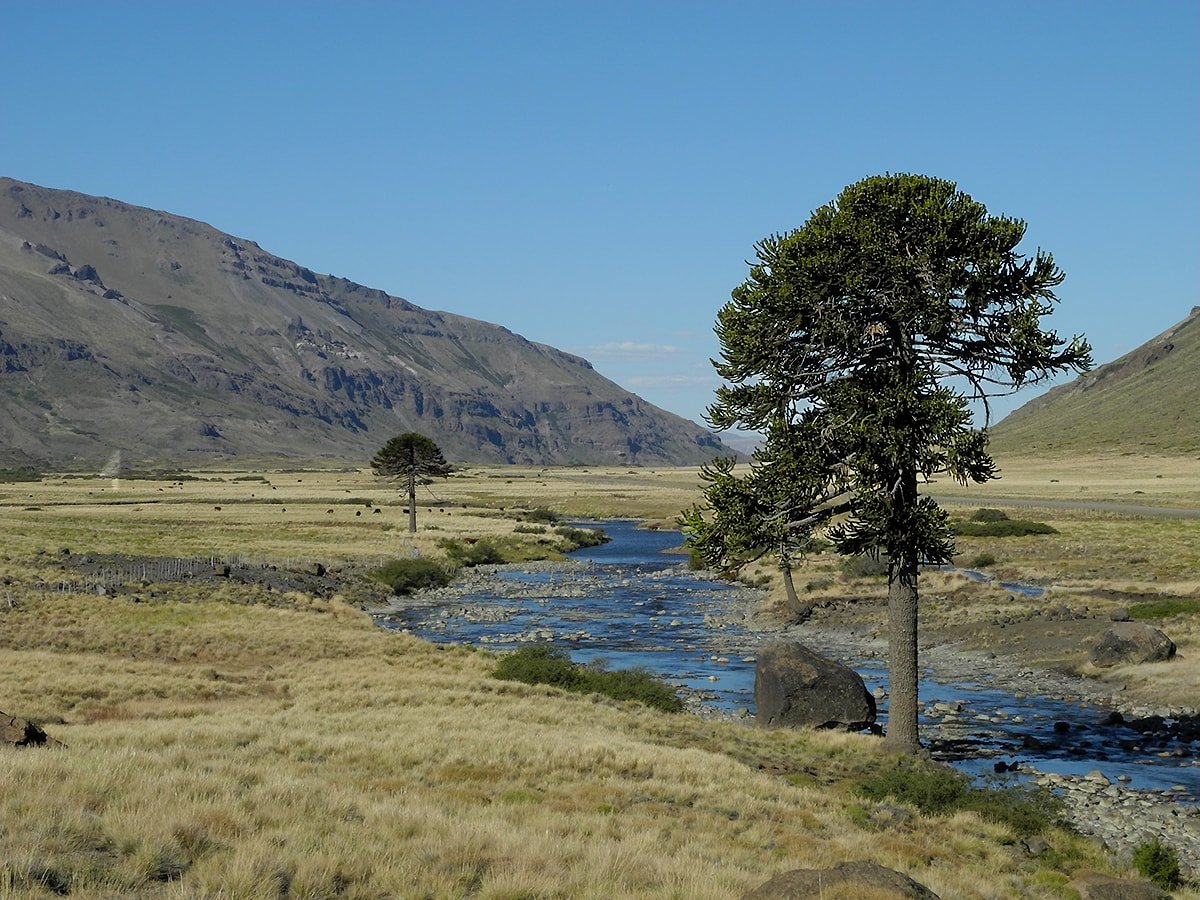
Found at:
(1146, 400)
(128, 329)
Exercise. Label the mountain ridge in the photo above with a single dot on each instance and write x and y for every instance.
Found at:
(1143, 400)
(127, 328)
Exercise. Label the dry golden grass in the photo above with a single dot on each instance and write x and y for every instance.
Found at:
(217, 749)
(224, 743)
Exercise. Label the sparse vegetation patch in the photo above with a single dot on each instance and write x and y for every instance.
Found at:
(547, 665)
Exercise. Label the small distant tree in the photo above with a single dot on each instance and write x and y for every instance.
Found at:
(862, 336)
(411, 457)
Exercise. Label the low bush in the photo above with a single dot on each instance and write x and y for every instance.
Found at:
(863, 566)
(1164, 609)
(1158, 862)
(989, 515)
(540, 514)
(937, 790)
(580, 537)
(979, 560)
(530, 529)
(405, 576)
(547, 665)
(1000, 528)
(469, 553)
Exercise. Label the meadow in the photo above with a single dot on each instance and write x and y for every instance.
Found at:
(235, 740)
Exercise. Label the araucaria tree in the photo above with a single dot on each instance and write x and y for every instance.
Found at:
(858, 341)
(411, 457)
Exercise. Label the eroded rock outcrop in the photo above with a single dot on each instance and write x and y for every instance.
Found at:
(795, 687)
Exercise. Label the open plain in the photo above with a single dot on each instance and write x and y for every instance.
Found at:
(253, 734)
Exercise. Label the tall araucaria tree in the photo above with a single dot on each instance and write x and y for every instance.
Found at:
(863, 336)
(411, 457)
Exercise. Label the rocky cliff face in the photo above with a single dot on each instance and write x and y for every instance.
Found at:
(126, 328)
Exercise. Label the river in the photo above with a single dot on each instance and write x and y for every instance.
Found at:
(632, 603)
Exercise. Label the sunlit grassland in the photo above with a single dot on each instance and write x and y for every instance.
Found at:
(223, 741)
(226, 749)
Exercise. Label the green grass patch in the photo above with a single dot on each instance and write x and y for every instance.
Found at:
(1165, 608)
(940, 791)
(1158, 862)
(577, 538)
(547, 665)
(530, 529)
(406, 576)
(540, 515)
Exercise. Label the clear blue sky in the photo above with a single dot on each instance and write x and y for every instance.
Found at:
(594, 175)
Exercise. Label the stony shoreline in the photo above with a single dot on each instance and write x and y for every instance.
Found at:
(1121, 817)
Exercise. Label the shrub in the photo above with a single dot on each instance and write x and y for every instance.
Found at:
(980, 560)
(989, 515)
(547, 665)
(937, 790)
(404, 576)
(472, 553)
(530, 529)
(540, 514)
(1001, 528)
(863, 566)
(580, 537)
(695, 560)
(1158, 862)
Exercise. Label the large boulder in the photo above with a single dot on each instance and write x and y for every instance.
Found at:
(795, 687)
(21, 733)
(1131, 642)
(1094, 886)
(848, 881)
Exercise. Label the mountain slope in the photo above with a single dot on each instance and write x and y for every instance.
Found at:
(1146, 400)
(123, 328)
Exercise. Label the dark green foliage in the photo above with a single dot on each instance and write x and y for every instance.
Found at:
(938, 790)
(540, 514)
(469, 553)
(406, 576)
(578, 538)
(530, 529)
(980, 560)
(12, 476)
(1001, 528)
(1165, 608)
(864, 566)
(413, 458)
(1158, 862)
(989, 515)
(547, 665)
(847, 346)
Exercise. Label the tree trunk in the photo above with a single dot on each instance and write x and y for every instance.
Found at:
(789, 587)
(412, 500)
(903, 704)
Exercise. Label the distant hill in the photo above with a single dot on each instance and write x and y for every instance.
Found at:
(1148, 400)
(128, 329)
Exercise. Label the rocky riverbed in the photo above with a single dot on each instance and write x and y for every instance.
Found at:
(1127, 771)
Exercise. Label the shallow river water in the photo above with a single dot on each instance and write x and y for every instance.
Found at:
(636, 605)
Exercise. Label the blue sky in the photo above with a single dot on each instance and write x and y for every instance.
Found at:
(594, 175)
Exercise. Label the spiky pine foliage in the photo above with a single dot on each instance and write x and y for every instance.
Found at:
(853, 338)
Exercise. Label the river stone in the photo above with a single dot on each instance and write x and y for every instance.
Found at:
(1131, 642)
(795, 687)
(848, 881)
(1094, 886)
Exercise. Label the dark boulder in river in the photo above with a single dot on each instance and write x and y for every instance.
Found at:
(795, 687)
(1131, 642)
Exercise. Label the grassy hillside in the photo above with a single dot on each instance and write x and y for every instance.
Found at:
(1145, 401)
